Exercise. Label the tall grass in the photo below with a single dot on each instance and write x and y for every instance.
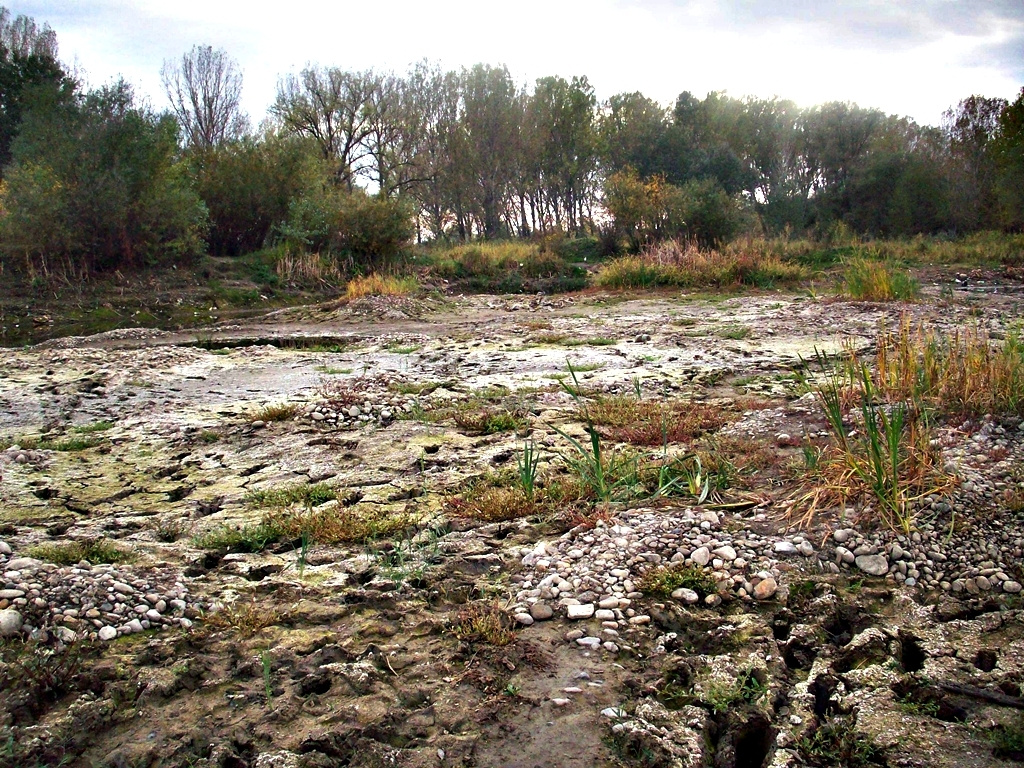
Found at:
(965, 373)
(679, 264)
(381, 285)
(866, 280)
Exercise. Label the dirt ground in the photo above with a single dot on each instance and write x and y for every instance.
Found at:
(364, 653)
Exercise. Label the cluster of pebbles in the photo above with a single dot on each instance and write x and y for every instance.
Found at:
(967, 545)
(957, 546)
(595, 573)
(39, 600)
(354, 415)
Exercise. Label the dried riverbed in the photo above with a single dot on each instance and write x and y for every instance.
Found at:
(193, 651)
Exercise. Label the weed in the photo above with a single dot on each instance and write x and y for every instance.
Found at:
(402, 349)
(734, 332)
(663, 580)
(835, 744)
(71, 552)
(1008, 740)
(651, 422)
(416, 388)
(527, 461)
(170, 530)
(483, 623)
(490, 421)
(747, 688)
(208, 436)
(511, 689)
(483, 501)
(330, 371)
(337, 524)
(922, 709)
(277, 412)
(37, 674)
(268, 690)
(246, 619)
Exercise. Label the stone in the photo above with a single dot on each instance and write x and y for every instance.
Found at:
(604, 615)
(873, 565)
(584, 611)
(842, 536)
(784, 548)
(765, 588)
(614, 713)
(524, 618)
(726, 553)
(688, 596)
(541, 611)
(10, 622)
(1011, 587)
(107, 633)
(5, 548)
(560, 702)
(21, 563)
(589, 642)
(701, 556)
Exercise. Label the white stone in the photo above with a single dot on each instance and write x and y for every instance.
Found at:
(107, 633)
(584, 611)
(10, 622)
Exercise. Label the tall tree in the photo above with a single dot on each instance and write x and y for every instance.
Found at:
(334, 108)
(205, 91)
(28, 65)
(971, 128)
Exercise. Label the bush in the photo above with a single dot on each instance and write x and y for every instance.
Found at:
(94, 185)
(507, 267)
(363, 230)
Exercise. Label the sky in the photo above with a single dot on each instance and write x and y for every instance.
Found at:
(913, 57)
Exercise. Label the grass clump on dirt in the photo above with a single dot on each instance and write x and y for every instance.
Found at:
(312, 495)
(381, 285)
(836, 744)
(490, 421)
(867, 280)
(96, 426)
(275, 412)
(663, 580)
(338, 524)
(678, 264)
(507, 267)
(246, 619)
(246, 538)
(482, 623)
(652, 422)
(71, 552)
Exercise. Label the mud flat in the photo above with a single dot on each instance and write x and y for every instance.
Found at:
(304, 541)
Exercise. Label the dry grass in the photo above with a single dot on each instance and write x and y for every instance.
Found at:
(653, 422)
(307, 268)
(381, 285)
(275, 412)
(491, 504)
(335, 525)
(963, 374)
(483, 623)
(677, 264)
(247, 619)
(489, 421)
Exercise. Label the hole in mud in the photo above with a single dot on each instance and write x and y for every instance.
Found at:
(799, 655)
(986, 659)
(315, 685)
(45, 493)
(753, 743)
(781, 624)
(822, 689)
(912, 656)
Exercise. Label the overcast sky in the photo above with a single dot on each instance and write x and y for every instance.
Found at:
(911, 58)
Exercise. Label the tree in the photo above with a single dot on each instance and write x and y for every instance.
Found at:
(102, 172)
(205, 91)
(971, 128)
(334, 108)
(28, 64)
(1009, 157)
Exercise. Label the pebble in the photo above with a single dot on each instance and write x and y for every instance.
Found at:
(584, 611)
(765, 588)
(873, 565)
(10, 622)
(541, 611)
(523, 618)
(107, 633)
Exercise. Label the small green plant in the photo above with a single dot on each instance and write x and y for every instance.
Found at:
(663, 580)
(248, 538)
(511, 689)
(1008, 740)
(208, 436)
(328, 370)
(490, 421)
(836, 744)
(869, 280)
(96, 426)
(268, 690)
(734, 332)
(747, 688)
(527, 461)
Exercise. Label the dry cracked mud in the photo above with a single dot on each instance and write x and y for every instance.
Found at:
(429, 636)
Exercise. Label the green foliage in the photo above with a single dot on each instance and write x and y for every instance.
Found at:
(663, 580)
(100, 174)
(313, 494)
(249, 538)
(866, 280)
(248, 185)
(836, 744)
(362, 230)
(71, 552)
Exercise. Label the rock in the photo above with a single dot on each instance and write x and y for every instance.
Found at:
(614, 713)
(134, 626)
(11, 594)
(688, 596)
(524, 618)
(765, 588)
(842, 536)
(107, 633)
(1011, 587)
(873, 565)
(589, 642)
(541, 611)
(21, 563)
(726, 553)
(784, 548)
(5, 548)
(10, 622)
(560, 702)
(584, 611)
(701, 556)
(604, 615)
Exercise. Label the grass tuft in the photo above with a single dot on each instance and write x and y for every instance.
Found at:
(867, 280)
(276, 412)
(663, 580)
(381, 285)
(483, 623)
(71, 552)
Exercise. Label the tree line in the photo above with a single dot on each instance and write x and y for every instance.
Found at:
(356, 163)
